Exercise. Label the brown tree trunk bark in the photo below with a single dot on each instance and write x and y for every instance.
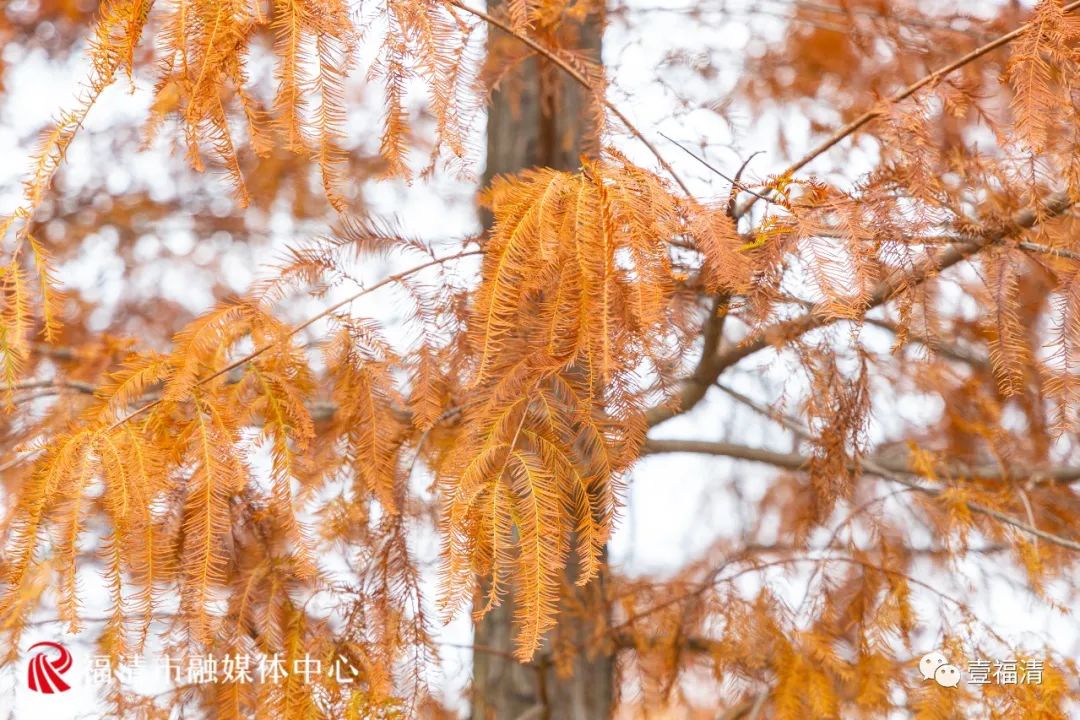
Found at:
(541, 118)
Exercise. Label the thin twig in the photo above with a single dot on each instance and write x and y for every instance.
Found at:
(734, 181)
(577, 77)
(733, 196)
(1056, 252)
(301, 327)
(879, 109)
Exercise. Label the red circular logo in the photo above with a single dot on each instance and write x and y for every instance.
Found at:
(43, 674)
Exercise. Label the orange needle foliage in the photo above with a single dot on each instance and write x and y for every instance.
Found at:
(208, 477)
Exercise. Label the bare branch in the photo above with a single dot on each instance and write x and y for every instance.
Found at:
(1058, 475)
(890, 470)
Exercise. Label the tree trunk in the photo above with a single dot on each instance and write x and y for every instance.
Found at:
(541, 118)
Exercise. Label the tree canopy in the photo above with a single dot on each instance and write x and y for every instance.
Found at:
(258, 475)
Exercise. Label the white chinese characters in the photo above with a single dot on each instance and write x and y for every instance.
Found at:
(240, 668)
(935, 666)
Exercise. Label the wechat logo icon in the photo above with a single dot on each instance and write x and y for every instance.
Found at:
(934, 666)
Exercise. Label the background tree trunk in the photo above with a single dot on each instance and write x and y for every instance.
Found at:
(523, 131)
